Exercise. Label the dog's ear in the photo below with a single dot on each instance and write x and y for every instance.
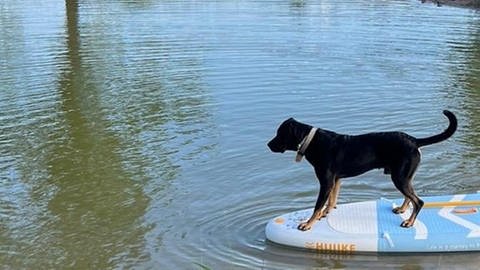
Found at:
(291, 124)
(297, 129)
(290, 120)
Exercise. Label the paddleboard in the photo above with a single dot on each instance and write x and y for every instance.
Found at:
(445, 224)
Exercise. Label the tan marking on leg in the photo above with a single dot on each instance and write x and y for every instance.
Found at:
(408, 223)
(332, 199)
(411, 220)
(416, 209)
(305, 226)
(401, 209)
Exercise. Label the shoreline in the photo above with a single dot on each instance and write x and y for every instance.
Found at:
(456, 3)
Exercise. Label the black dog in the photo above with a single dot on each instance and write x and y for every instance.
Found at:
(335, 156)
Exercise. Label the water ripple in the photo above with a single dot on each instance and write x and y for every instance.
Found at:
(133, 134)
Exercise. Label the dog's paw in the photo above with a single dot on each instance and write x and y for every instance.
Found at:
(327, 211)
(406, 224)
(398, 210)
(304, 226)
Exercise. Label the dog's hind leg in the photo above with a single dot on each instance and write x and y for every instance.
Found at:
(401, 209)
(402, 177)
(417, 206)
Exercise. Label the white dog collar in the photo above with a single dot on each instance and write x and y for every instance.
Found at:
(304, 144)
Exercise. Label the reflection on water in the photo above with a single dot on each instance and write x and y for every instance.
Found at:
(465, 89)
(470, 80)
(91, 137)
(133, 134)
(93, 193)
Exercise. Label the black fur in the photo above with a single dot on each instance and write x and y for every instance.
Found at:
(336, 156)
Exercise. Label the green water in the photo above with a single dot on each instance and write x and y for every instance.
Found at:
(133, 133)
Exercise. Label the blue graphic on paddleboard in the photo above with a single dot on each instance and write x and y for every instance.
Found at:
(437, 229)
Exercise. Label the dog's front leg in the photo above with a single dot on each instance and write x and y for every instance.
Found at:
(332, 199)
(326, 185)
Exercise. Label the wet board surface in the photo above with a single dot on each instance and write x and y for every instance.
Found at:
(448, 223)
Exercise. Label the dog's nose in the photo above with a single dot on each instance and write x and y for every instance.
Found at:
(274, 147)
(269, 144)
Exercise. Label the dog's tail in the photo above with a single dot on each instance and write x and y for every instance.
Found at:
(447, 133)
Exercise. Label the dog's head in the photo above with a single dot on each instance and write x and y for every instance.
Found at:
(289, 135)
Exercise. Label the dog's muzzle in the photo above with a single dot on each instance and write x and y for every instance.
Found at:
(275, 147)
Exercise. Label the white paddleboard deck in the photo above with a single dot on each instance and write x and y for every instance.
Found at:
(371, 226)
